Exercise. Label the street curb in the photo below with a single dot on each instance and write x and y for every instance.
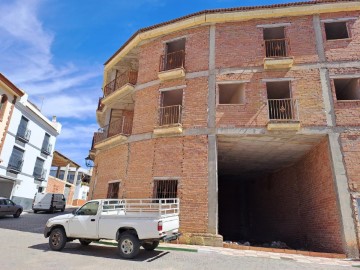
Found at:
(114, 244)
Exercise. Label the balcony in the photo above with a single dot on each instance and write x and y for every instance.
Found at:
(276, 51)
(120, 86)
(100, 105)
(23, 135)
(172, 66)
(283, 114)
(46, 149)
(39, 174)
(15, 165)
(117, 131)
(169, 120)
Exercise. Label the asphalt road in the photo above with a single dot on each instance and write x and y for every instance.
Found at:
(23, 246)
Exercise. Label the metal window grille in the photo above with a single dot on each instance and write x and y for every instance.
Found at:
(165, 188)
(16, 160)
(113, 190)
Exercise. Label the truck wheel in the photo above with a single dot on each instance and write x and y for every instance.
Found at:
(57, 239)
(149, 246)
(85, 242)
(129, 245)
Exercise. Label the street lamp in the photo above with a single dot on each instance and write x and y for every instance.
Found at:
(89, 162)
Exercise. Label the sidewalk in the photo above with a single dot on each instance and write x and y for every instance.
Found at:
(252, 253)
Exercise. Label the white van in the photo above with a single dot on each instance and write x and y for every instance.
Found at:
(48, 202)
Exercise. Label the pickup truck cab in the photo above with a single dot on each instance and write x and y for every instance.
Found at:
(131, 222)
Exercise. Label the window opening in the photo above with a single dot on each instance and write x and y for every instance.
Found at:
(16, 160)
(347, 89)
(165, 189)
(232, 93)
(171, 107)
(113, 190)
(336, 30)
(275, 42)
(281, 105)
(174, 55)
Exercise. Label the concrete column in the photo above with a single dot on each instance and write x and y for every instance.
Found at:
(319, 38)
(76, 176)
(212, 147)
(66, 172)
(212, 185)
(343, 197)
(327, 97)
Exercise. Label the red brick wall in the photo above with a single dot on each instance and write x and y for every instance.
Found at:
(297, 205)
(196, 53)
(305, 87)
(55, 186)
(319, 212)
(345, 49)
(240, 44)
(111, 165)
(350, 142)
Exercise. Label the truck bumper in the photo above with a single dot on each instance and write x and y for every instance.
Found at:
(171, 237)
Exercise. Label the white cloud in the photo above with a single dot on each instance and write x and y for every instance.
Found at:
(69, 106)
(26, 57)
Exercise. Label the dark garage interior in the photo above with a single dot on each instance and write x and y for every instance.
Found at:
(278, 189)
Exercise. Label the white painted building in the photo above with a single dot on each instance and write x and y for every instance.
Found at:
(27, 153)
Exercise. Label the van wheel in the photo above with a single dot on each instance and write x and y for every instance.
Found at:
(35, 211)
(85, 242)
(63, 209)
(52, 209)
(17, 214)
(57, 239)
(149, 246)
(128, 245)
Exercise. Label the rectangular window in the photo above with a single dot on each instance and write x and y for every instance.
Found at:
(46, 146)
(165, 189)
(171, 107)
(113, 190)
(232, 93)
(347, 89)
(23, 133)
(16, 160)
(39, 172)
(275, 42)
(174, 55)
(336, 30)
(280, 104)
(71, 177)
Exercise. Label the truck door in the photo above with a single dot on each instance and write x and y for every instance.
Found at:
(85, 222)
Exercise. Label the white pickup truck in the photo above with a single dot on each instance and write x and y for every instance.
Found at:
(131, 222)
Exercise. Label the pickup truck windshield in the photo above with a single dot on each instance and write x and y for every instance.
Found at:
(89, 209)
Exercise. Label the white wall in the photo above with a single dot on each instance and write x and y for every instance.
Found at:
(26, 186)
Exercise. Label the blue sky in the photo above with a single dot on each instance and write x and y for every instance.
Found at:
(55, 50)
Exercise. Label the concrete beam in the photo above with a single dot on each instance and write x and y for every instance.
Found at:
(343, 197)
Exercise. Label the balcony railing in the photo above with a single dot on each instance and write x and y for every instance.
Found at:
(172, 60)
(170, 115)
(46, 149)
(121, 80)
(283, 109)
(15, 165)
(100, 105)
(23, 134)
(276, 47)
(39, 174)
(122, 126)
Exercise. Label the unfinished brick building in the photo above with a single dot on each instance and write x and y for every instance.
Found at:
(249, 115)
